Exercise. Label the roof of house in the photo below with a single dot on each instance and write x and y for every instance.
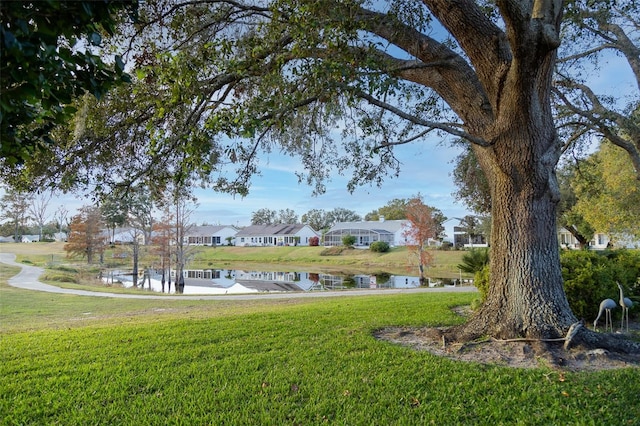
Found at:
(373, 225)
(207, 230)
(261, 230)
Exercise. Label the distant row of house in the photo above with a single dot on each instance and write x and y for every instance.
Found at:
(288, 234)
(365, 232)
(298, 234)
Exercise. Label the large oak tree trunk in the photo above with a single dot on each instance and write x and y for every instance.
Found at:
(526, 296)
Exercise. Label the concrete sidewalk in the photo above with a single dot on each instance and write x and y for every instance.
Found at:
(27, 279)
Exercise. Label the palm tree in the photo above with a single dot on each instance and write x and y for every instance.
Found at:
(474, 260)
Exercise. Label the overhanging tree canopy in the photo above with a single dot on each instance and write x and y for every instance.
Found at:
(340, 84)
(595, 32)
(47, 60)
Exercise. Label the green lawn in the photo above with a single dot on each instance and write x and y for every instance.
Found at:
(85, 360)
(397, 261)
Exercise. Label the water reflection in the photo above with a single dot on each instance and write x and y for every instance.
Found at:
(237, 281)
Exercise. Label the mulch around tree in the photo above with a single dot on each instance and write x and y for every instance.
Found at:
(515, 354)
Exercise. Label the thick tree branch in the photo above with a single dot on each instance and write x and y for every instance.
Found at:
(437, 67)
(483, 42)
(602, 120)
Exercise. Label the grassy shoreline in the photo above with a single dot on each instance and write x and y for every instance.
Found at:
(398, 261)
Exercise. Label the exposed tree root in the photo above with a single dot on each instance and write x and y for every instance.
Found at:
(579, 350)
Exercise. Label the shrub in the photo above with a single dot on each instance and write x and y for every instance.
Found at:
(446, 246)
(59, 277)
(379, 247)
(474, 260)
(481, 281)
(348, 240)
(590, 277)
(332, 251)
(314, 241)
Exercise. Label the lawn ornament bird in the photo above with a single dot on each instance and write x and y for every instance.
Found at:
(605, 306)
(625, 304)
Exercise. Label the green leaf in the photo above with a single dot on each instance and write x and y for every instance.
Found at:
(119, 63)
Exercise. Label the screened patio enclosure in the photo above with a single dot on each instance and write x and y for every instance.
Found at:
(364, 237)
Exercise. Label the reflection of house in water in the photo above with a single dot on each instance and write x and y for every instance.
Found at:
(202, 281)
(230, 281)
(266, 281)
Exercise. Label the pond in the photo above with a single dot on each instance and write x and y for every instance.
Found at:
(238, 281)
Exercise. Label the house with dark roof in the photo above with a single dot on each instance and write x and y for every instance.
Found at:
(275, 235)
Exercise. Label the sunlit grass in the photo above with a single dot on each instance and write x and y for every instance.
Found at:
(397, 261)
(88, 360)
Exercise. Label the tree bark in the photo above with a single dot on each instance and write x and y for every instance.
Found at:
(520, 151)
(526, 297)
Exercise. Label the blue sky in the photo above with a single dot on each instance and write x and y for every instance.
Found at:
(426, 169)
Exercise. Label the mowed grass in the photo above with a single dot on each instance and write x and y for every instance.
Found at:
(86, 360)
(398, 260)
(77, 360)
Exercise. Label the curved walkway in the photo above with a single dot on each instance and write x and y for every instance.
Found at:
(27, 279)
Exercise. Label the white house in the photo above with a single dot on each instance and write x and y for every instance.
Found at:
(275, 235)
(210, 235)
(124, 235)
(367, 232)
(600, 241)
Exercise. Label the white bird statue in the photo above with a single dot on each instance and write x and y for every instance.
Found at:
(605, 306)
(625, 304)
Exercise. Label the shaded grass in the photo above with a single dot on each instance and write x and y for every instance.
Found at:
(311, 361)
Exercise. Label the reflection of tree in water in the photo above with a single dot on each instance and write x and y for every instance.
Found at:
(382, 278)
(349, 281)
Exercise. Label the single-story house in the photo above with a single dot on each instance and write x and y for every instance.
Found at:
(367, 232)
(60, 236)
(461, 238)
(275, 235)
(124, 235)
(210, 235)
(600, 241)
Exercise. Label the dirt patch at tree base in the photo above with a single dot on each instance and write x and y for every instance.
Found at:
(515, 354)
(509, 354)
